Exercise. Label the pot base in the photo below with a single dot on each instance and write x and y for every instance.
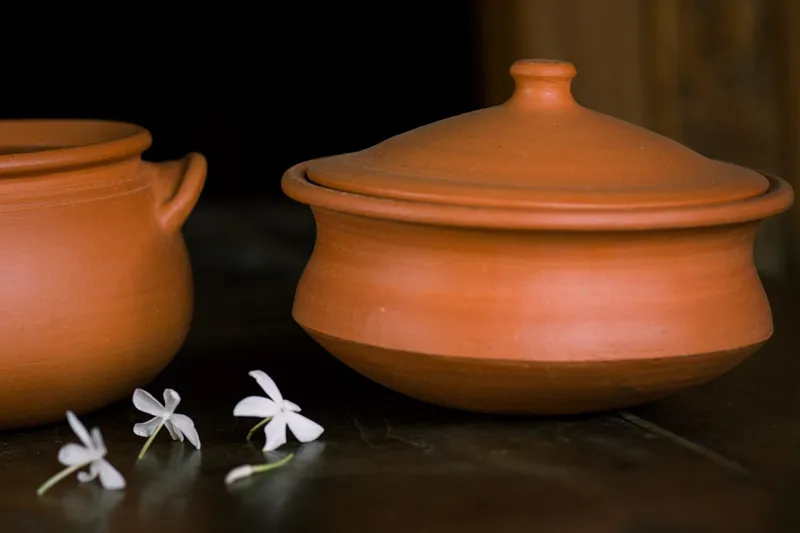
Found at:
(530, 387)
(79, 385)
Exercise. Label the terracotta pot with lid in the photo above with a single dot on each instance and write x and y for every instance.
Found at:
(95, 283)
(534, 257)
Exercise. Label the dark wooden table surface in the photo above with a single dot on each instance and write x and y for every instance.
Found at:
(721, 457)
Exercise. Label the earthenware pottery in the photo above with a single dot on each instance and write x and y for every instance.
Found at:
(95, 281)
(534, 257)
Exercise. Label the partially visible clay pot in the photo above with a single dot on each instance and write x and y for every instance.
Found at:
(95, 281)
(534, 257)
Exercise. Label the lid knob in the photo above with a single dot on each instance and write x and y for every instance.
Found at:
(542, 83)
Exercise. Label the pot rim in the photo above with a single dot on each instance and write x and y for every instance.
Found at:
(778, 198)
(41, 145)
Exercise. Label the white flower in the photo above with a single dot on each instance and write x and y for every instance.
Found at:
(90, 453)
(240, 472)
(164, 415)
(245, 471)
(282, 413)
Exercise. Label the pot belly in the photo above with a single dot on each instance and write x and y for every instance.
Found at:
(87, 315)
(583, 321)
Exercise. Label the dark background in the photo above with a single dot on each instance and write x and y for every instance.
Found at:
(257, 90)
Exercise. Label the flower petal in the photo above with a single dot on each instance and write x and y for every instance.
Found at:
(171, 400)
(266, 383)
(291, 406)
(275, 432)
(85, 477)
(74, 454)
(173, 431)
(240, 472)
(185, 425)
(145, 402)
(79, 429)
(304, 429)
(99, 445)
(110, 477)
(145, 429)
(257, 406)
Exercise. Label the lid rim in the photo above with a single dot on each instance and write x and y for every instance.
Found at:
(778, 198)
(480, 194)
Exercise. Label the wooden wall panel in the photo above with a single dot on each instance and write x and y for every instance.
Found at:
(660, 41)
(787, 31)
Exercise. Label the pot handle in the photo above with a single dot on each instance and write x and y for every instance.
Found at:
(177, 186)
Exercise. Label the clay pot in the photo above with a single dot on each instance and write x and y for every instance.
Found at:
(95, 282)
(534, 257)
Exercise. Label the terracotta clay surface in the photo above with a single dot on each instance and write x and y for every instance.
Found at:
(95, 280)
(534, 257)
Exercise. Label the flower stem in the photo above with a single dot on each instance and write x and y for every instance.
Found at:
(150, 440)
(58, 477)
(250, 434)
(272, 466)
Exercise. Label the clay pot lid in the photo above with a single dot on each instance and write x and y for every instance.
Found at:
(539, 148)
